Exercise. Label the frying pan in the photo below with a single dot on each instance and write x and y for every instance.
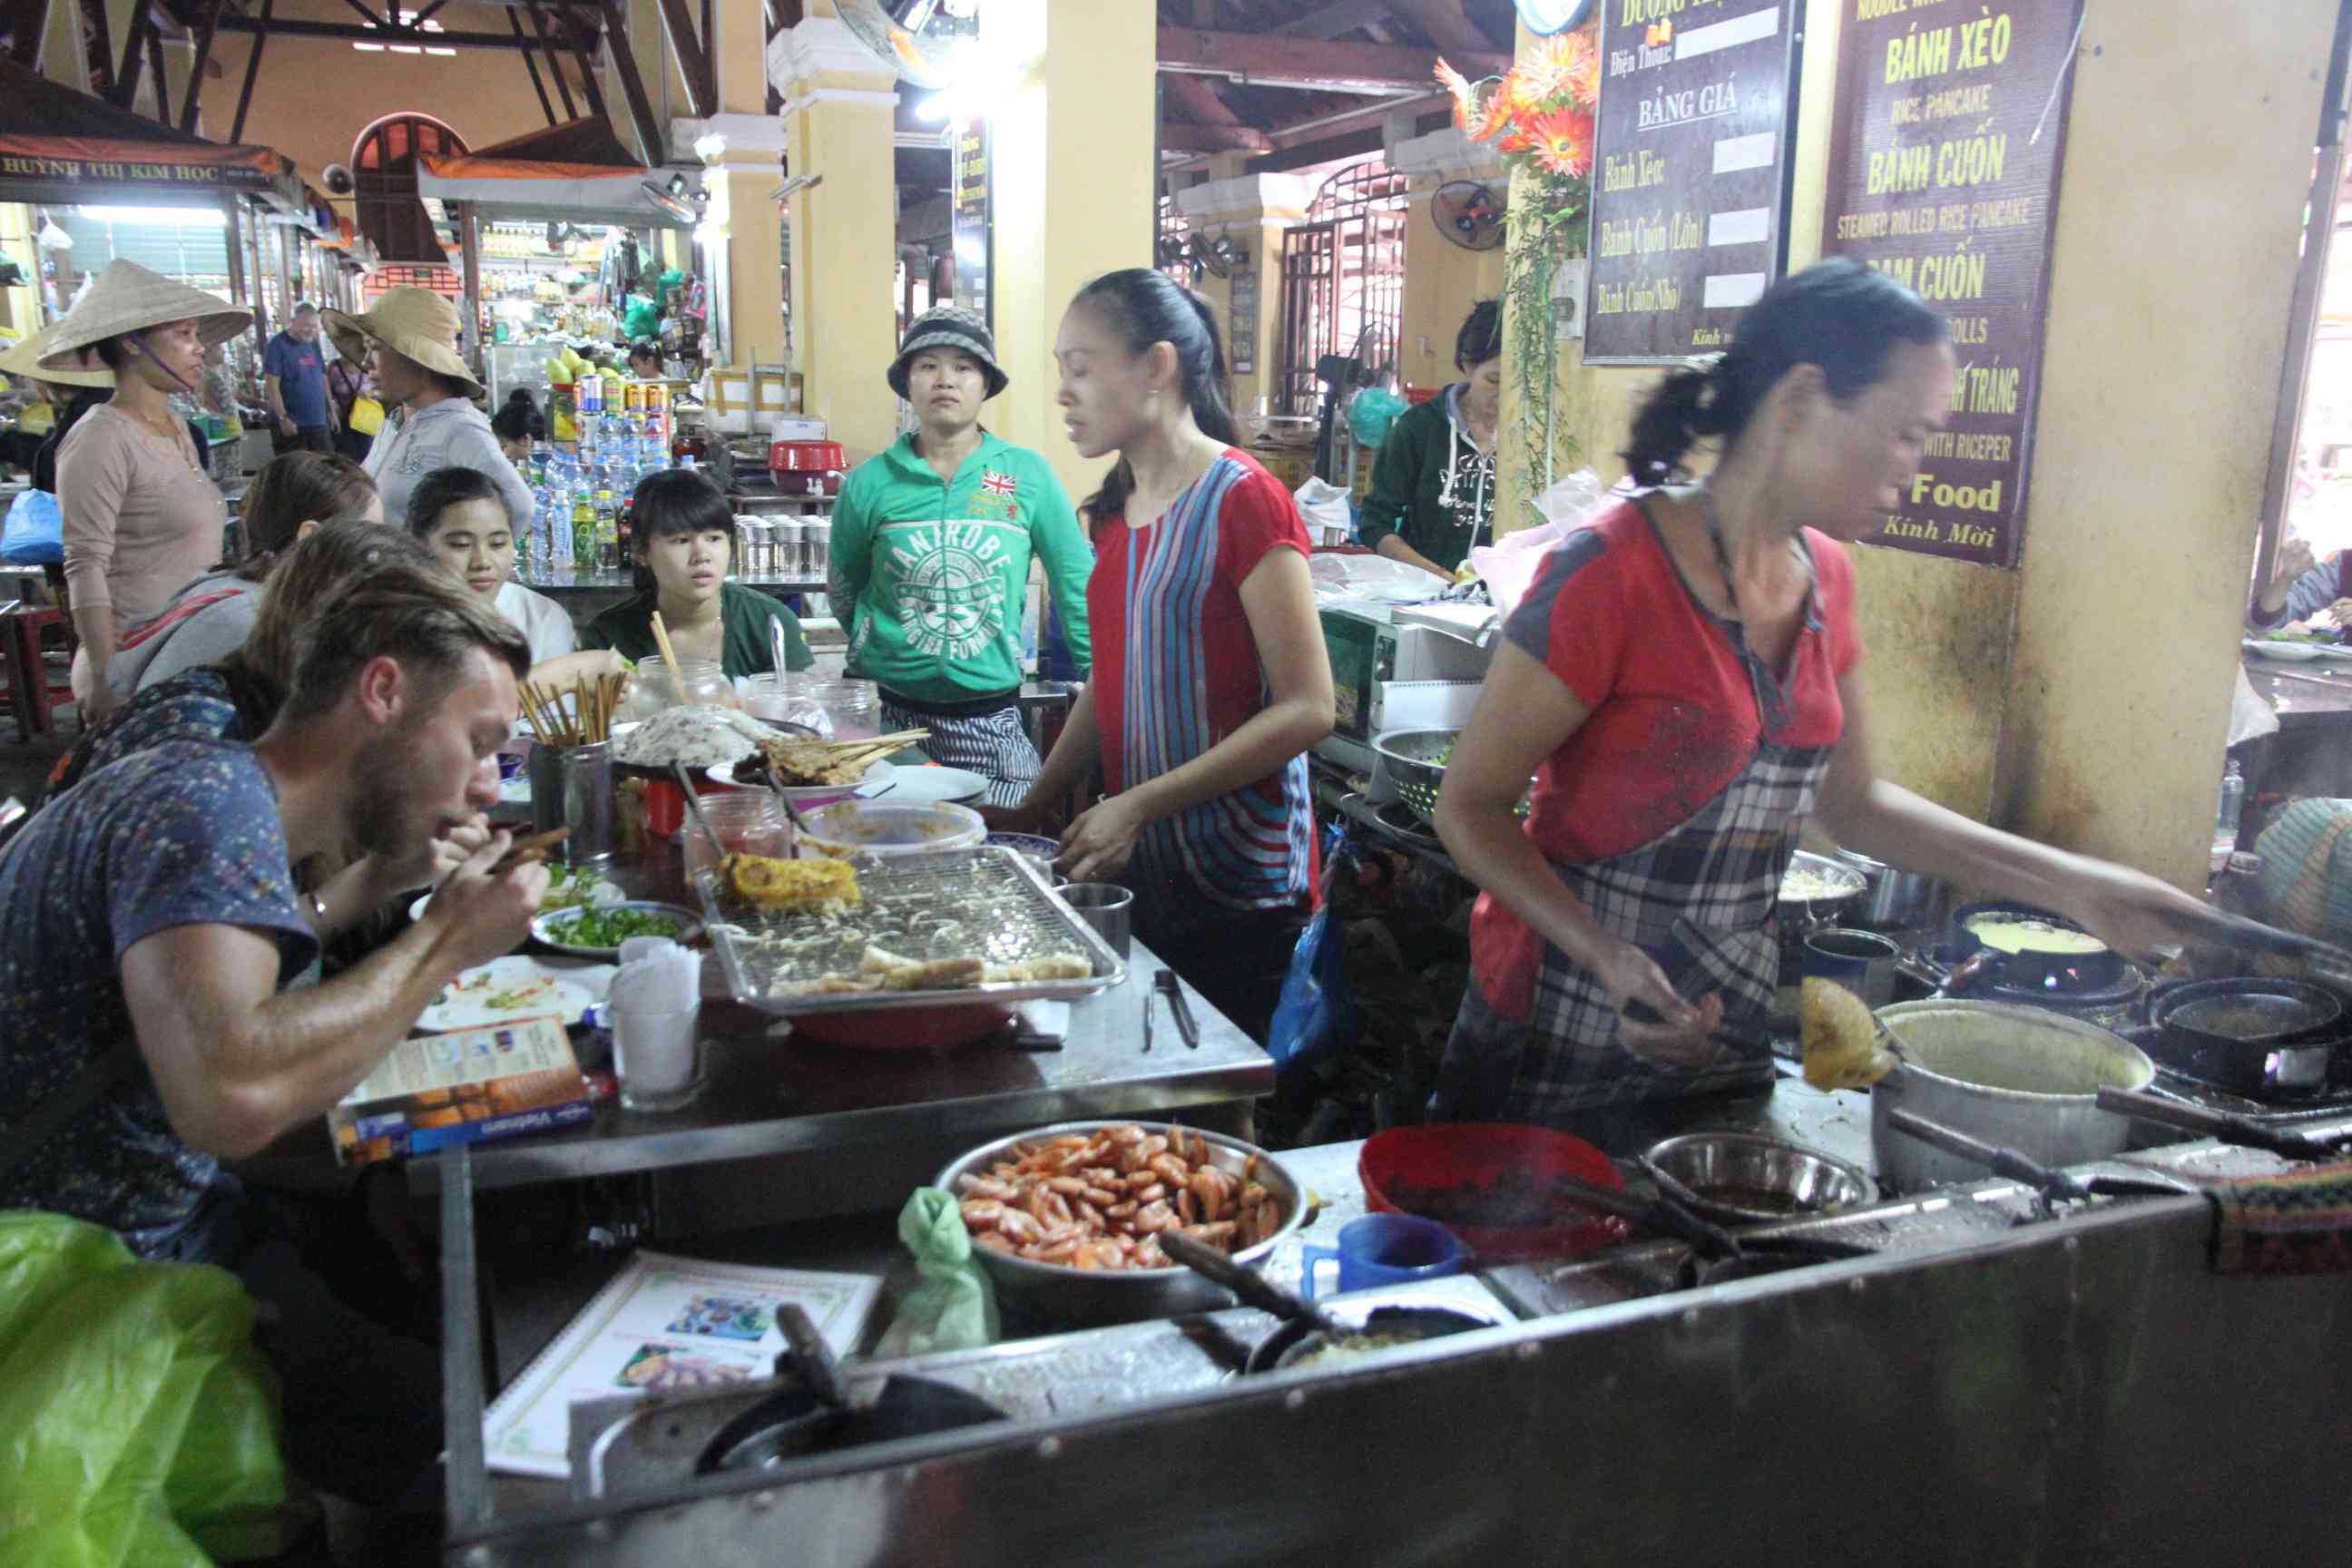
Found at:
(2264, 1038)
(2053, 972)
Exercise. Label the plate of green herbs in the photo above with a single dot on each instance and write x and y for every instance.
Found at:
(598, 932)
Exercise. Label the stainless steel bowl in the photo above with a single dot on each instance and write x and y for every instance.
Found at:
(1892, 899)
(1732, 1170)
(1091, 1297)
(1821, 907)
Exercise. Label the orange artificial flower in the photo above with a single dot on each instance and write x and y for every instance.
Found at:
(1563, 143)
(1548, 70)
(1459, 86)
(1584, 77)
(1494, 116)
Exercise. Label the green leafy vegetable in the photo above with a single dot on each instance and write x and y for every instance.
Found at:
(611, 927)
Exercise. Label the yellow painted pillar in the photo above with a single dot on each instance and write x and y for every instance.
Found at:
(1253, 211)
(1442, 279)
(1073, 143)
(840, 110)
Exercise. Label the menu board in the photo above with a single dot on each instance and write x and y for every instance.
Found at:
(1951, 124)
(968, 224)
(1689, 203)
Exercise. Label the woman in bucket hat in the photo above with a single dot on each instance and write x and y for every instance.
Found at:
(408, 343)
(931, 545)
(141, 517)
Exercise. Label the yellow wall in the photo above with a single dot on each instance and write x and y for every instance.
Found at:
(1073, 146)
(2084, 697)
(843, 237)
(1442, 282)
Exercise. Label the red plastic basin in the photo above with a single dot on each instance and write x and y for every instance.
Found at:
(1452, 1157)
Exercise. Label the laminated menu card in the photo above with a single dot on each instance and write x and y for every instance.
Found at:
(463, 1087)
(664, 1322)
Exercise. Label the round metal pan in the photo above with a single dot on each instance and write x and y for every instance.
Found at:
(2254, 1036)
(2056, 972)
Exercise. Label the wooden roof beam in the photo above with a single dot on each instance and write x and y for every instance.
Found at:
(1213, 139)
(1342, 67)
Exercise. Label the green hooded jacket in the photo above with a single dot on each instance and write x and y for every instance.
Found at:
(930, 578)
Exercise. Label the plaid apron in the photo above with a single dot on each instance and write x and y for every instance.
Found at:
(1702, 901)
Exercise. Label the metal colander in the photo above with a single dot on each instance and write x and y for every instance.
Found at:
(1414, 760)
(986, 902)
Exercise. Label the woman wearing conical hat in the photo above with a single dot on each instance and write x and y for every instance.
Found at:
(141, 515)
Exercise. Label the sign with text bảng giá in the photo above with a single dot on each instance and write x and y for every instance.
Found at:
(1688, 196)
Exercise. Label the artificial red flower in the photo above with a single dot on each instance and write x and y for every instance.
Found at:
(1563, 141)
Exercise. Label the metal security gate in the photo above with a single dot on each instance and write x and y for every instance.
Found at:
(1342, 278)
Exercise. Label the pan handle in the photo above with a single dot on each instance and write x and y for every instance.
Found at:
(2000, 1161)
(2226, 1126)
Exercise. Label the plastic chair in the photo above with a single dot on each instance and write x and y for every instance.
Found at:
(34, 694)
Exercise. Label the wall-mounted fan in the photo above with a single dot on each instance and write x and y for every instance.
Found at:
(1221, 255)
(920, 40)
(338, 179)
(1468, 213)
(1178, 250)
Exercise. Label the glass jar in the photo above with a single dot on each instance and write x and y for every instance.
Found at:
(787, 697)
(854, 706)
(792, 557)
(746, 822)
(655, 688)
(816, 550)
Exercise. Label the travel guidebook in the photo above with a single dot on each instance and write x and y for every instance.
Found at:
(464, 1087)
(664, 1322)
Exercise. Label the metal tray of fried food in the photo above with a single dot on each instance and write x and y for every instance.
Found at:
(989, 902)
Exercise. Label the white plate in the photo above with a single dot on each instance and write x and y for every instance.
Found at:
(2283, 652)
(805, 794)
(540, 987)
(552, 929)
(925, 786)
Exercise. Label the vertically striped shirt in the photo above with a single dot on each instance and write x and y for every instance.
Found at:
(1177, 671)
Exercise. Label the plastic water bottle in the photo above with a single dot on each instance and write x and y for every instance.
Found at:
(608, 532)
(2225, 818)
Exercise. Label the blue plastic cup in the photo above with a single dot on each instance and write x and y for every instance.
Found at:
(1386, 1250)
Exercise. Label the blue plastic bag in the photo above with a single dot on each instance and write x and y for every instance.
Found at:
(34, 534)
(1317, 1014)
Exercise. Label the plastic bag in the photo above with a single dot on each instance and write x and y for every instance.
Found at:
(1372, 577)
(35, 532)
(138, 1425)
(1324, 509)
(954, 1308)
(1509, 565)
(1317, 1014)
(1370, 412)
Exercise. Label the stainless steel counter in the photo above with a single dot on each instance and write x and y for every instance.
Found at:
(771, 1094)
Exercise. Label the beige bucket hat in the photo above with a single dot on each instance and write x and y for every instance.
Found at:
(25, 359)
(415, 324)
(127, 298)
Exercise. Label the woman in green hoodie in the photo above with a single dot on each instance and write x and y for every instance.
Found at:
(1433, 484)
(931, 546)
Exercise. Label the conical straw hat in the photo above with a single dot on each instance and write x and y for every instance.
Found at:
(25, 359)
(415, 324)
(127, 298)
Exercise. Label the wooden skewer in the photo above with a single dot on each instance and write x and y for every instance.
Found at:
(903, 738)
(669, 654)
(529, 851)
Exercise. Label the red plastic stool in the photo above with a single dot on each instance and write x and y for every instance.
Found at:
(32, 693)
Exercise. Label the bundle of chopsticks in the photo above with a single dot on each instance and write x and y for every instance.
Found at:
(586, 720)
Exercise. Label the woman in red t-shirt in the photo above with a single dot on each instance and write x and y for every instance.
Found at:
(1210, 677)
(1682, 681)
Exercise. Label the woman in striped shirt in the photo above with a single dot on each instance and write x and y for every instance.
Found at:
(1210, 678)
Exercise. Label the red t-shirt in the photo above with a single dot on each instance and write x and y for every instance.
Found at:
(1674, 717)
(1176, 671)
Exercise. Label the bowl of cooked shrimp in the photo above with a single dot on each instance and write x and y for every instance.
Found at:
(1067, 1219)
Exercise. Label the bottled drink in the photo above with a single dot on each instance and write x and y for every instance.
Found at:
(2225, 818)
(583, 531)
(608, 532)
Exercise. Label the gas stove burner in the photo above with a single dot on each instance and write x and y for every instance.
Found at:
(2122, 994)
